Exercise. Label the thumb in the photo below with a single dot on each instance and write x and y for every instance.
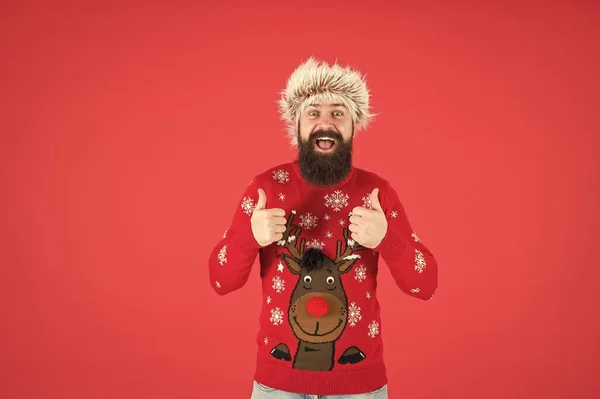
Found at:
(375, 200)
(262, 200)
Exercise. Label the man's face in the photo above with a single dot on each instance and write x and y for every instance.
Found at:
(325, 143)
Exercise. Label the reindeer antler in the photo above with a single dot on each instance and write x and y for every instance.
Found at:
(290, 235)
(346, 259)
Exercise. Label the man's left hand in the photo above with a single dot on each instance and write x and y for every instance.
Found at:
(369, 226)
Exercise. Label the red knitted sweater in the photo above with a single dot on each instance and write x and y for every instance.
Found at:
(320, 327)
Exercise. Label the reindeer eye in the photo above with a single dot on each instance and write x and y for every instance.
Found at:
(330, 280)
(307, 279)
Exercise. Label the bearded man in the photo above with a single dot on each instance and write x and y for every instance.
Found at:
(320, 226)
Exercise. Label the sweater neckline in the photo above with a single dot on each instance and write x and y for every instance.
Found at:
(348, 178)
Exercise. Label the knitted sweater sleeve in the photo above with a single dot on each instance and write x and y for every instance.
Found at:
(411, 263)
(231, 259)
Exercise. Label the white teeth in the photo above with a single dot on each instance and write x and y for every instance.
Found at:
(326, 138)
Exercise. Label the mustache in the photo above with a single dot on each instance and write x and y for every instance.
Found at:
(318, 134)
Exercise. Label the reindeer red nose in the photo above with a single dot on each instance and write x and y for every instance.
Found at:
(317, 306)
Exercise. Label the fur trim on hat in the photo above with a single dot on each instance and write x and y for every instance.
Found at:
(314, 80)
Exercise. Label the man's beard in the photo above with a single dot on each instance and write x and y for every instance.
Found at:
(325, 169)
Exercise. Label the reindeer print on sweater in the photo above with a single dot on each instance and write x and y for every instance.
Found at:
(318, 309)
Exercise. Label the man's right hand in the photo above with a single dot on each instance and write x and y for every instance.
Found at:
(268, 225)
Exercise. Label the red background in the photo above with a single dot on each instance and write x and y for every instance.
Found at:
(129, 133)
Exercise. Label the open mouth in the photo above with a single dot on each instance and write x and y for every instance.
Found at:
(325, 144)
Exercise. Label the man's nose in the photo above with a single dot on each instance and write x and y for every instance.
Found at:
(326, 123)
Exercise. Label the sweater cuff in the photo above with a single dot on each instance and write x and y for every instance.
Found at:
(392, 246)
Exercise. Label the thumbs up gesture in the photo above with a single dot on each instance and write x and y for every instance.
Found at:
(268, 225)
(369, 226)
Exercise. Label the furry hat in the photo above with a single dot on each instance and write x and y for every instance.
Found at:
(314, 80)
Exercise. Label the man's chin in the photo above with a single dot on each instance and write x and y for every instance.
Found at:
(325, 168)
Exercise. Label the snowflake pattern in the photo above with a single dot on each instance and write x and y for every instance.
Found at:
(414, 236)
(315, 243)
(361, 273)
(268, 300)
(336, 200)
(276, 316)
(248, 205)
(394, 214)
(278, 284)
(266, 340)
(225, 233)
(328, 234)
(368, 295)
(342, 222)
(308, 221)
(373, 329)
(280, 267)
(419, 261)
(217, 284)
(282, 196)
(354, 315)
(415, 290)
(223, 255)
(281, 176)
(367, 201)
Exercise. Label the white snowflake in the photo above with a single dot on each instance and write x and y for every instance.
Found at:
(248, 205)
(217, 284)
(342, 222)
(315, 243)
(282, 196)
(281, 176)
(367, 201)
(268, 299)
(278, 284)
(354, 315)
(308, 221)
(328, 234)
(414, 236)
(225, 233)
(266, 340)
(223, 255)
(373, 329)
(276, 316)
(394, 214)
(336, 200)
(326, 217)
(280, 267)
(415, 290)
(368, 295)
(361, 273)
(419, 261)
